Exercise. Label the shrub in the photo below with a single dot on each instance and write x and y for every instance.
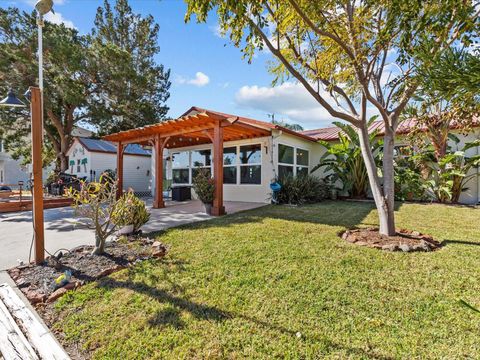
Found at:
(97, 202)
(130, 210)
(204, 186)
(300, 190)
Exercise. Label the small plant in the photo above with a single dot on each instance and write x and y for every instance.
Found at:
(343, 161)
(130, 210)
(298, 190)
(204, 186)
(97, 202)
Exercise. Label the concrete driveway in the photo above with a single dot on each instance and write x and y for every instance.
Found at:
(63, 230)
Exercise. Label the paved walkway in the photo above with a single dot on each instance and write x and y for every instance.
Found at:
(63, 230)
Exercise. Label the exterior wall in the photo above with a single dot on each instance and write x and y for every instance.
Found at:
(136, 169)
(11, 171)
(252, 192)
(78, 152)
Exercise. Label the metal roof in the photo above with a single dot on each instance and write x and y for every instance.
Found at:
(98, 145)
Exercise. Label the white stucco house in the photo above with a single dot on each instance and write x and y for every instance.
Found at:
(89, 158)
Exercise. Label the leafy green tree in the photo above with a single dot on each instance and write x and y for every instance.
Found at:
(127, 45)
(343, 161)
(343, 48)
(108, 79)
(67, 80)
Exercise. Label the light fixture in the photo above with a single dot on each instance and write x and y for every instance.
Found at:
(44, 6)
(11, 100)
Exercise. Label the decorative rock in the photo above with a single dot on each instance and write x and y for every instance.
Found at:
(57, 294)
(404, 247)
(35, 297)
(390, 247)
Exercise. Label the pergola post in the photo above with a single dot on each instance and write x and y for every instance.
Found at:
(218, 209)
(120, 148)
(158, 202)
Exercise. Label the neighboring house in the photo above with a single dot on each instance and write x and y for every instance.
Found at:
(89, 158)
(470, 196)
(12, 171)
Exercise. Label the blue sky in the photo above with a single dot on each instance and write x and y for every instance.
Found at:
(206, 70)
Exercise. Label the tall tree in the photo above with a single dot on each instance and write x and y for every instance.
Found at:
(138, 97)
(348, 48)
(67, 80)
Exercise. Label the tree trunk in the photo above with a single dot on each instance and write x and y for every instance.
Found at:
(384, 204)
(388, 184)
(99, 246)
(63, 158)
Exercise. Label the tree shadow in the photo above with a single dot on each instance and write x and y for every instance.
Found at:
(461, 242)
(172, 316)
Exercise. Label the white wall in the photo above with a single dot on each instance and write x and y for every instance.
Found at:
(136, 169)
(78, 152)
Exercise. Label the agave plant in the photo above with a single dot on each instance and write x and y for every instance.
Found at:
(343, 161)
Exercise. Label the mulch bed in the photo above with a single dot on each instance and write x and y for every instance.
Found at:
(404, 240)
(38, 284)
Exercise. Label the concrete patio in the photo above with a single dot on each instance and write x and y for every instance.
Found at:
(64, 231)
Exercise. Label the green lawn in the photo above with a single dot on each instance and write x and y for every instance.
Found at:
(244, 285)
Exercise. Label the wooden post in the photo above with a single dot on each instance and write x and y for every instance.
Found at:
(158, 202)
(120, 148)
(218, 209)
(38, 227)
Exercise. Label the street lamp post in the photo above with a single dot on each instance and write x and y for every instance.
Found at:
(36, 113)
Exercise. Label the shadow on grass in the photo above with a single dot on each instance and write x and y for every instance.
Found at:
(347, 214)
(177, 304)
(461, 242)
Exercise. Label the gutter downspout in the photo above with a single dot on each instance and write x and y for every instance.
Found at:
(272, 160)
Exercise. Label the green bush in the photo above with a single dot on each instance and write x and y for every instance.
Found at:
(131, 210)
(298, 190)
(204, 186)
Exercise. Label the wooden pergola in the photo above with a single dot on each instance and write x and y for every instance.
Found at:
(197, 126)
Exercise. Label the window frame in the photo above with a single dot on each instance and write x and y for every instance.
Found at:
(189, 167)
(240, 165)
(295, 165)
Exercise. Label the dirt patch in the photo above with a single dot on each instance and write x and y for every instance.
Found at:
(404, 240)
(51, 280)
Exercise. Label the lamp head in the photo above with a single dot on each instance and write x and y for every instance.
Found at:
(11, 100)
(44, 6)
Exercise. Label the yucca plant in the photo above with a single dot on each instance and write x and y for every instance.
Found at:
(343, 161)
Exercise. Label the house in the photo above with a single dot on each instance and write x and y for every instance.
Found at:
(470, 196)
(253, 153)
(89, 158)
(12, 171)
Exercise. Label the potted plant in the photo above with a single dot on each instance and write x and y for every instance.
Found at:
(130, 214)
(204, 187)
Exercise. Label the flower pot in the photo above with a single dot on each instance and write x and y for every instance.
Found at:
(208, 208)
(126, 230)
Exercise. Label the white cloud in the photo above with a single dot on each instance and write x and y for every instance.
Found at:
(199, 80)
(289, 101)
(57, 18)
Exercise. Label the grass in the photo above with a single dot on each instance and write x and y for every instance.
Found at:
(277, 282)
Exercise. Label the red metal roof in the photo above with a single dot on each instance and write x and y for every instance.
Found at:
(331, 133)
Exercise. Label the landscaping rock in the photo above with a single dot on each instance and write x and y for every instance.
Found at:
(403, 240)
(57, 294)
(158, 249)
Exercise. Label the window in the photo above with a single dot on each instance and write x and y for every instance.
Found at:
(302, 162)
(251, 164)
(201, 159)
(292, 161)
(181, 167)
(78, 166)
(230, 165)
